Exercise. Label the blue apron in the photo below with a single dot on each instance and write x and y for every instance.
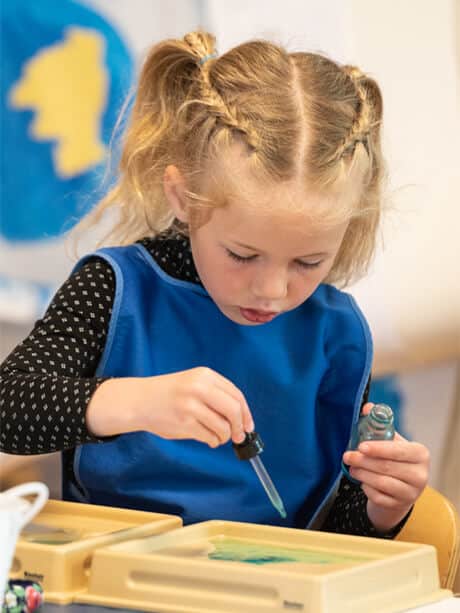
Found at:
(303, 375)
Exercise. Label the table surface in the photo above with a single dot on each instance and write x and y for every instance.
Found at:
(449, 605)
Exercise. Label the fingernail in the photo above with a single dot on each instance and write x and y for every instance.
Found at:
(240, 437)
(363, 447)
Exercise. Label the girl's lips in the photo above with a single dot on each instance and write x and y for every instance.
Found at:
(259, 317)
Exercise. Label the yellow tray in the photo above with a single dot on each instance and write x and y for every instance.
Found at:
(220, 566)
(57, 547)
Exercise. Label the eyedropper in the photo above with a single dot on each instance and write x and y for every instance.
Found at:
(250, 449)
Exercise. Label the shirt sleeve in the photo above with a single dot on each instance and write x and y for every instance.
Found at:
(348, 514)
(47, 381)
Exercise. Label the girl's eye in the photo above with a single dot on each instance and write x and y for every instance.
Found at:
(308, 264)
(249, 258)
(240, 258)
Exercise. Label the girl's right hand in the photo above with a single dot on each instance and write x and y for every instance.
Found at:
(195, 404)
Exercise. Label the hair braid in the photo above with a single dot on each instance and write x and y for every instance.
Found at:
(362, 124)
(203, 46)
(224, 111)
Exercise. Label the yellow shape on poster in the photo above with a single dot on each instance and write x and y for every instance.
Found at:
(66, 85)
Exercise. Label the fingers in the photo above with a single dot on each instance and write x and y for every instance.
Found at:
(390, 487)
(384, 500)
(231, 402)
(225, 412)
(409, 473)
(392, 473)
(205, 435)
(237, 394)
(203, 424)
(200, 404)
(366, 409)
(398, 450)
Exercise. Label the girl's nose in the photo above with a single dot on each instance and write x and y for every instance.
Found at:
(270, 286)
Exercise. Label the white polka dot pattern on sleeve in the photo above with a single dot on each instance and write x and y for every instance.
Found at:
(48, 380)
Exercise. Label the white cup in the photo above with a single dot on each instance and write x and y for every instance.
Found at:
(15, 513)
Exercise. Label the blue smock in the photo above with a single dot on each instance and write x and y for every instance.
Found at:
(303, 375)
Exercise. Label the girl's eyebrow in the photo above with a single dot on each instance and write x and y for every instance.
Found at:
(308, 255)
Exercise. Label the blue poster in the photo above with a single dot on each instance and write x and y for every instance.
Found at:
(65, 75)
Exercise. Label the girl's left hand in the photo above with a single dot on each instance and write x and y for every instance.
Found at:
(393, 474)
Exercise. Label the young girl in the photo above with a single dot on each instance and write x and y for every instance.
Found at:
(249, 184)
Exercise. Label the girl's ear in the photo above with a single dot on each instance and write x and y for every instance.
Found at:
(175, 192)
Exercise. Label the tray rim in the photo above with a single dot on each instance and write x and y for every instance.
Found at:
(120, 550)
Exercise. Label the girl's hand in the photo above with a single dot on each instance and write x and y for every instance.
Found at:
(393, 474)
(195, 404)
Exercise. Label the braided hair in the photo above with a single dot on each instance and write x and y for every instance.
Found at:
(297, 115)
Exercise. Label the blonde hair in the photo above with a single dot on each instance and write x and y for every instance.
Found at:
(299, 115)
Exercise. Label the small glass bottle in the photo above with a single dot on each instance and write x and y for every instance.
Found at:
(377, 425)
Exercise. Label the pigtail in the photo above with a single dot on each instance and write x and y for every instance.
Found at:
(361, 156)
(170, 76)
(167, 76)
(368, 113)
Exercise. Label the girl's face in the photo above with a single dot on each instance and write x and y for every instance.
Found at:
(257, 265)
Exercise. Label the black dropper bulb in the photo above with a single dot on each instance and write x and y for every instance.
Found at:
(250, 447)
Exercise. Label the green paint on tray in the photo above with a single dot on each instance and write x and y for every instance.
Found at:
(235, 550)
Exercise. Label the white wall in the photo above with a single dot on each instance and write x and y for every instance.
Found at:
(413, 296)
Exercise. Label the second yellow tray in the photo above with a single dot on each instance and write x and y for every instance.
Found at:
(56, 548)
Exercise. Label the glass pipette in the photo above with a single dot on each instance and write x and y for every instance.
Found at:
(250, 449)
(264, 478)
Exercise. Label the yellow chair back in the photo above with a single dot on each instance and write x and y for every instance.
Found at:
(435, 521)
